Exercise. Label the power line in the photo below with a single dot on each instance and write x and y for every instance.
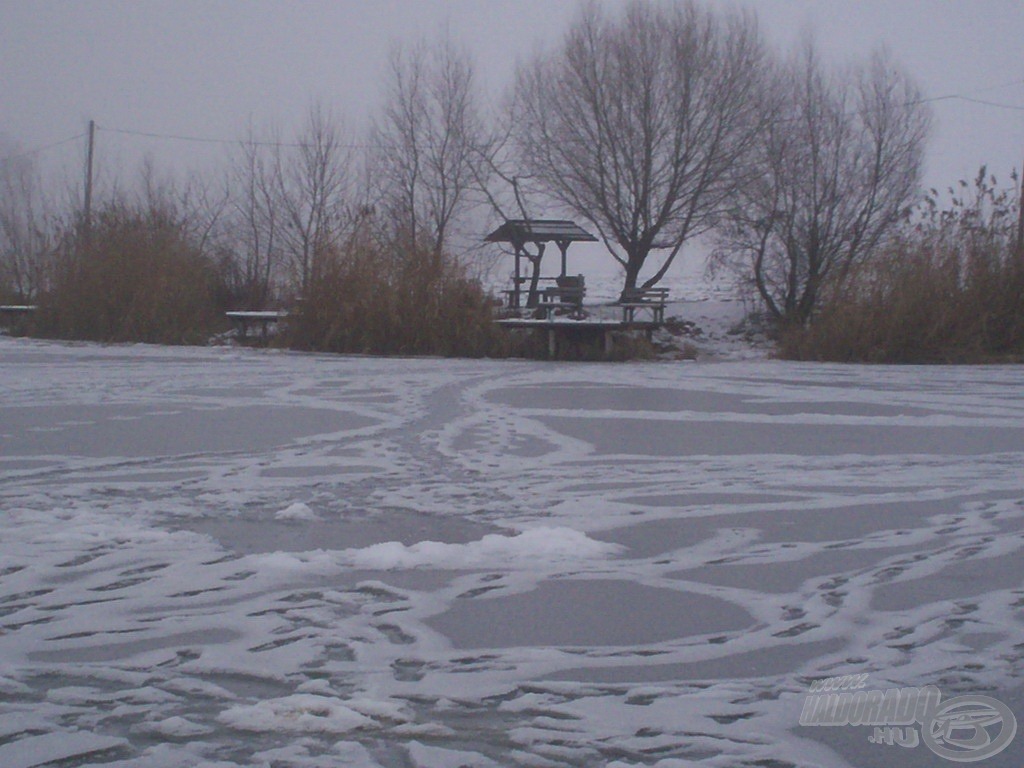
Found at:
(992, 103)
(40, 150)
(355, 145)
(363, 145)
(990, 88)
(152, 135)
(211, 140)
(962, 97)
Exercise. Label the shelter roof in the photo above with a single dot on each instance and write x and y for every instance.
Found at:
(539, 231)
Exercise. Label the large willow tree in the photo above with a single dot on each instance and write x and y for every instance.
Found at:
(837, 168)
(638, 122)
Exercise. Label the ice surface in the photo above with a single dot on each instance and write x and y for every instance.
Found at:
(57, 748)
(169, 429)
(232, 557)
(588, 613)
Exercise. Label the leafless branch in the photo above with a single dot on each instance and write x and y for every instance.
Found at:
(637, 123)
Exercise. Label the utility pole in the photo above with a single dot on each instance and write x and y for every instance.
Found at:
(1020, 217)
(88, 176)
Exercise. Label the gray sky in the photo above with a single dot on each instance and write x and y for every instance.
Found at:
(204, 68)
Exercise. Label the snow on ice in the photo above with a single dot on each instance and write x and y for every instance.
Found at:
(231, 557)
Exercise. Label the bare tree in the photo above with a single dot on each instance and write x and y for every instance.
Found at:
(314, 186)
(26, 233)
(256, 219)
(509, 196)
(837, 169)
(192, 203)
(428, 141)
(637, 123)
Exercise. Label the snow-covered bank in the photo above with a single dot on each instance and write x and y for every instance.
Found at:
(249, 557)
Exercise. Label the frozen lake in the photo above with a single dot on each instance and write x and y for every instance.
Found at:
(242, 557)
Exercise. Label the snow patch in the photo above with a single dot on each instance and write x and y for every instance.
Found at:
(178, 728)
(297, 511)
(435, 757)
(302, 713)
(536, 544)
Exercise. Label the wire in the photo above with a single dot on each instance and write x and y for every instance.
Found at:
(293, 144)
(992, 103)
(170, 136)
(210, 140)
(40, 150)
(299, 145)
(987, 89)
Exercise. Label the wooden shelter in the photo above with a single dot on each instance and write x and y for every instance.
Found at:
(521, 233)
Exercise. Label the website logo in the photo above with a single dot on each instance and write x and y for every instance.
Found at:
(964, 729)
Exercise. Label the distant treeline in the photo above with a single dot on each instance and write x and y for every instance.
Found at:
(652, 125)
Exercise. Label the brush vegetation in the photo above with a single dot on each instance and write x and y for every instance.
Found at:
(136, 273)
(380, 298)
(949, 288)
(652, 124)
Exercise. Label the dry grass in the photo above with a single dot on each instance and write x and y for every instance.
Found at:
(949, 290)
(377, 298)
(136, 277)
(915, 304)
(139, 277)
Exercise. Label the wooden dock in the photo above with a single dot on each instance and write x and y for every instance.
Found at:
(261, 319)
(16, 317)
(560, 330)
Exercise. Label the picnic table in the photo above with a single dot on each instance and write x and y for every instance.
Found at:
(561, 315)
(565, 296)
(262, 319)
(15, 317)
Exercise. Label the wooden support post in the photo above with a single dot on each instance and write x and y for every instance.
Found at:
(87, 217)
(516, 286)
(1020, 217)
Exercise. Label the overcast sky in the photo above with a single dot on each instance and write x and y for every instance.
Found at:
(206, 68)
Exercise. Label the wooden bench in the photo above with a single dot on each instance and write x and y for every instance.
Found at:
(652, 300)
(567, 295)
(521, 292)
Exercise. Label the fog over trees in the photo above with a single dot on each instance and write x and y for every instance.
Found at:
(26, 235)
(425, 146)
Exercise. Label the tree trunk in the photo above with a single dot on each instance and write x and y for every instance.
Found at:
(634, 261)
(532, 296)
